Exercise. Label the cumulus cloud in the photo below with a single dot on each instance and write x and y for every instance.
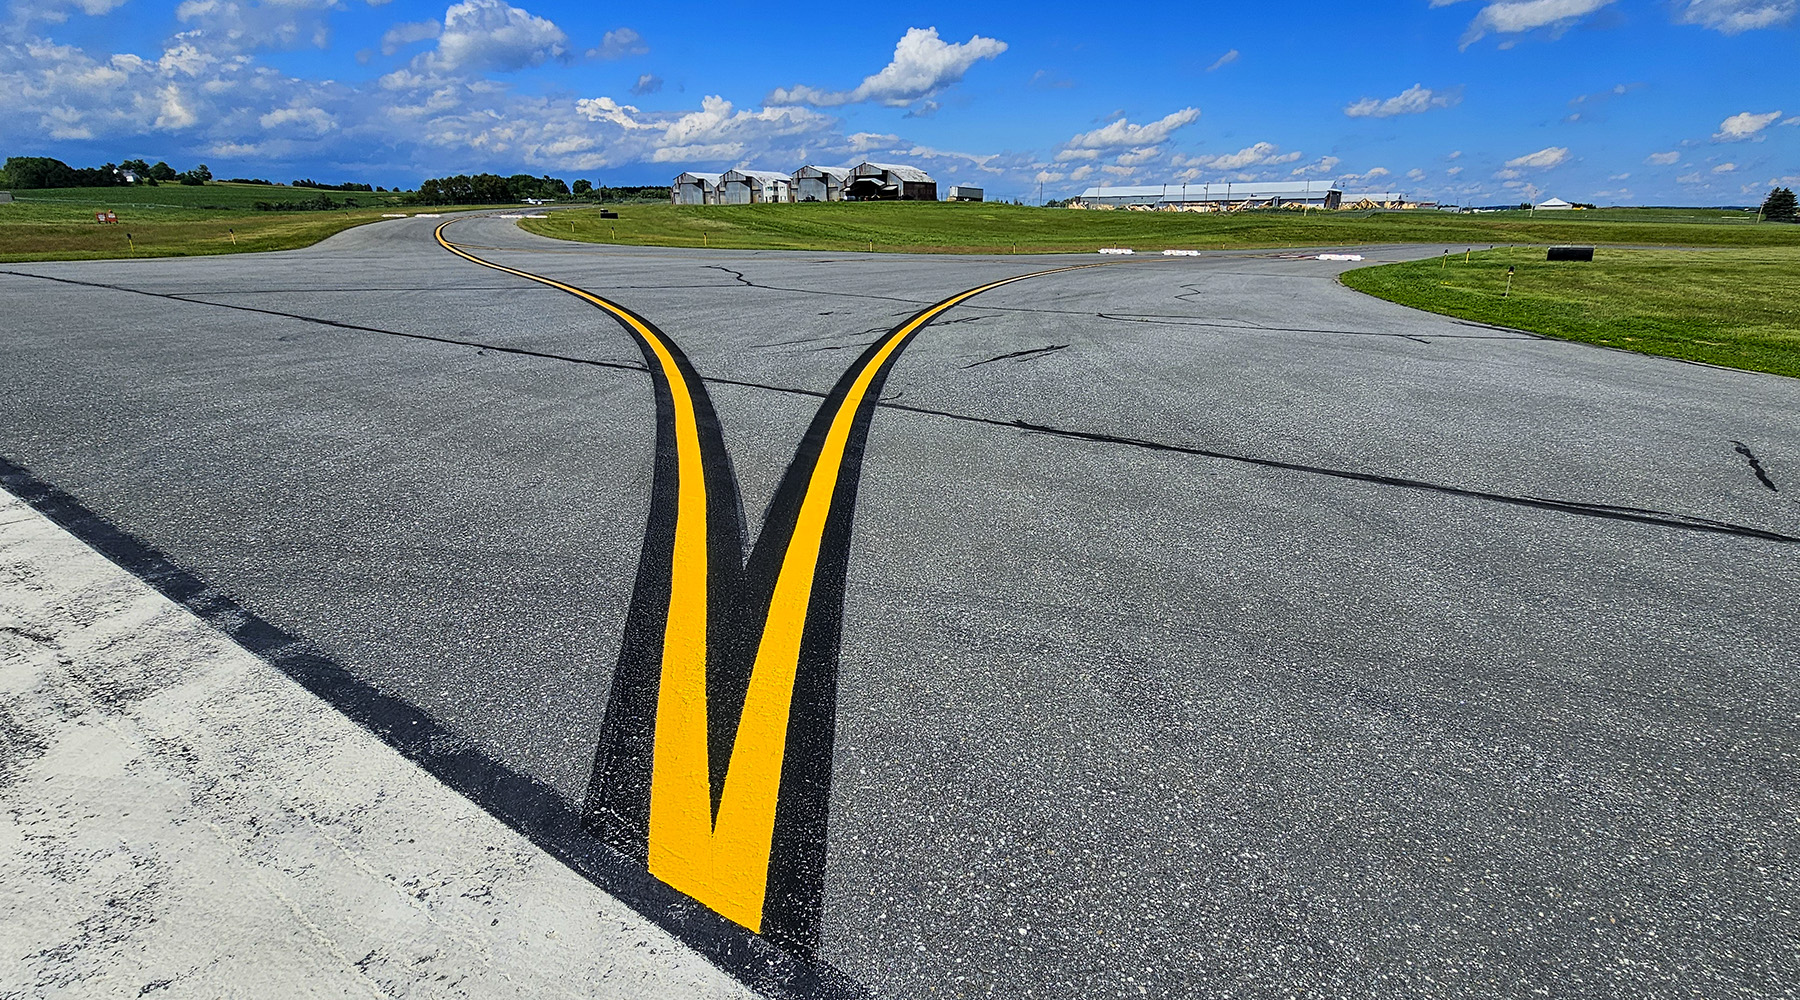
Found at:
(1543, 159)
(1411, 101)
(494, 35)
(1122, 133)
(303, 121)
(923, 65)
(618, 44)
(1224, 60)
(407, 32)
(1323, 165)
(1511, 17)
(1724, 168)
(1260, 154)
(1662, 159)
(1734, 16)
(1745, 125)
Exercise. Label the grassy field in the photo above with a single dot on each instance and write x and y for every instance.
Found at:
(1725, 307)
(172, 220)
(926, 227)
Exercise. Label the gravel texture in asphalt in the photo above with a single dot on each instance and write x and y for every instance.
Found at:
(1210, 629)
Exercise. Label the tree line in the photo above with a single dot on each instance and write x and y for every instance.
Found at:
(493, 189)
(47, 172)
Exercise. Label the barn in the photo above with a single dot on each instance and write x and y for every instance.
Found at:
(695, 189)
(889, 182)
(820, 183)
(755, 187)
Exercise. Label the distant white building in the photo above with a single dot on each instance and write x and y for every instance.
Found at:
(820, 183)
(889, 182)
(755, 187)
(1554, 205)
(1376, 199)
(695, 189)
(963, 192)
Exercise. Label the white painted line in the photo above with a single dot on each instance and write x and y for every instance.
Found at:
(1340, 256)
(181, 816)
(1181, 253)
(537, 216)
(1116, 250)
(393, 215)
(512, 216)
(426, 215)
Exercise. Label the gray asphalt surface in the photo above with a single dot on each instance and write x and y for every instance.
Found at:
(1114, 719)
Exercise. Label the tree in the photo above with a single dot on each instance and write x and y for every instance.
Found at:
(163, 172)
(38, 172)
(1778, 207)
(583, 187)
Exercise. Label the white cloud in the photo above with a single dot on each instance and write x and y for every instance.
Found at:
(1122, 133)
(1411, 101)
(1543, 159)
(494, 35)
(1260, 154)
(1724, 168)
(923, 64)
(1455, 154)
(304, 121)
(1734, 16)
(1374, 173)
(1224, 60)
(1415, 174)
(1323, 165)
(1693, 178)
(407, 32)
(1510, 17)
(648, 83)
(1662, 159)
(1744, 125)
(1138, 157)
(1453, 171)
(618, 44)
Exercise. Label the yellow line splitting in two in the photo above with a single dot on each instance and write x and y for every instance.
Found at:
(725, 864)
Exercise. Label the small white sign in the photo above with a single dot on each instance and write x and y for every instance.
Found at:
(1181, 253)
(1117, 250)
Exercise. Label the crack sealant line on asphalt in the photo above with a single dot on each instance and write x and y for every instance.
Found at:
(189, 818)
(1640, 515)
(535, 812)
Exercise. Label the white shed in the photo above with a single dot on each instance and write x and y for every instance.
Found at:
(889, 182)
(1554, 205)
(820, 183)
(755, 187)
(695, 189)
(963, 192)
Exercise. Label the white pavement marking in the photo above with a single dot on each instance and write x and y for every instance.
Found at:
(180, 816)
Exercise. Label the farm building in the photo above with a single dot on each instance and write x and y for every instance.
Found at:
(1212, 196)
(1554, 205)
(755, 187)
(889, 182)
(963, 192)
(1377, 199)
(695, 189)
(820, 183)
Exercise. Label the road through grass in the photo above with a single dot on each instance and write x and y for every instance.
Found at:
(931, 227)
(1724, 307)
(172, 220)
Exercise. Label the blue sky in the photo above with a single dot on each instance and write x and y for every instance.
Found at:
(1466, 101)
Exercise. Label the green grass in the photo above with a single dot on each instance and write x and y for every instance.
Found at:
(172, 220)
(928, 227)
(1724, 307)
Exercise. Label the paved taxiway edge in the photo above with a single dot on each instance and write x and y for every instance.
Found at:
(183, 816)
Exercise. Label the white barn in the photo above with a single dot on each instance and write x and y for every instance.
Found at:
(820, 183)
(755, 187)
(1554, 205)
(695, 189)
(889, 182)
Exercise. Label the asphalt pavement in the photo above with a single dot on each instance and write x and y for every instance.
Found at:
(1209, 629)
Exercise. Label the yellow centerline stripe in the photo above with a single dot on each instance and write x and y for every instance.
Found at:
(726, 865)
(679, 775)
